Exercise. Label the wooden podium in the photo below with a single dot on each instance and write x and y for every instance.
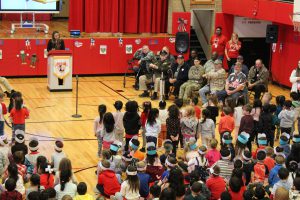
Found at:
(59, 70)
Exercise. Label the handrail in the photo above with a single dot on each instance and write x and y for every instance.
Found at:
(183, 6)
(198, 21)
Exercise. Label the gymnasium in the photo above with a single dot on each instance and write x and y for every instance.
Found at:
(149, 99)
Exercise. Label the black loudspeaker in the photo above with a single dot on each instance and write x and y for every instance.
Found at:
(272, 33)
(182, 42)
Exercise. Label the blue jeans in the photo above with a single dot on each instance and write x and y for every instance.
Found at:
(1, 128)
(223, 94)
(202, 92)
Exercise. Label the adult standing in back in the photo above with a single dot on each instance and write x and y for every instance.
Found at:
(218, 43)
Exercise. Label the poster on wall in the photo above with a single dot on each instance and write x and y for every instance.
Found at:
(250, 28)
(103, 49)
(128, 49)
(61, 66)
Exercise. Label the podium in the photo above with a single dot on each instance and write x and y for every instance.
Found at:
(59, 70)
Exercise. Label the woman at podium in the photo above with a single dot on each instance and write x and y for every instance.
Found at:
(56, 43)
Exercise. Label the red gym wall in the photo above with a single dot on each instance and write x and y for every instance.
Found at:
(86, 58)
(283, 60)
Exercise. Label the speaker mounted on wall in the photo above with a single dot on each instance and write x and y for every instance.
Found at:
(272, 33)
(182, 42)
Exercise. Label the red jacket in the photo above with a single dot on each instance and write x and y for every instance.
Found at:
(110, 183)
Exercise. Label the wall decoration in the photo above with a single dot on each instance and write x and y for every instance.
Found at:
(153, 42)
(23, 57)
(1, 42)
(40, 42)
(172, 40)
(128, 48)
(138, 41)
(120, 42)
(103, 49)
(92, 44)
(0, 54)
(78, 44)
(33, 61)
(27, 44)
(45, 53)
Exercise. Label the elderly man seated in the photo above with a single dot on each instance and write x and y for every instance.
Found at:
(145, 57)
(157, 67)
(235, 84)
(216, 79)
(177, 76)
(195, 81)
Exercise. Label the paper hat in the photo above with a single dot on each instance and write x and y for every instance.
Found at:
(134, 143)
(59, 145)
(133, 173)
(20, 136)
(243, 137)
(225, 154)
(168, 145)
(262, 139)
(202, 150)
(246, 155)
(192, 143)
(226, 138)
(127, 157)
(151, 149)
(296, 138)
(33, 144)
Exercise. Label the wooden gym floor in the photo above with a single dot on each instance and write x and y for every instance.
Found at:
(50, 115)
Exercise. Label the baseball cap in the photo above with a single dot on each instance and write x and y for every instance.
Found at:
(218, 61)
(180, 56)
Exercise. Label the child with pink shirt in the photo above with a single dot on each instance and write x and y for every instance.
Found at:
(213, 155)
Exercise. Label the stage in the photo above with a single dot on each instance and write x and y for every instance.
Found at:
(61, 25)
(94, 53)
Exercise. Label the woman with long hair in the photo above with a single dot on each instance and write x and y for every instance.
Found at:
(232, 49)
(55, 43)
(295, 79)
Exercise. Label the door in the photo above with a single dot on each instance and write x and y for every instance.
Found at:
(64, 13)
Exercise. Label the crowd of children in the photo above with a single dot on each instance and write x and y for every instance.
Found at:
(244, 163)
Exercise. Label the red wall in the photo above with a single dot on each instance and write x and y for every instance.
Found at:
(283, 61)
(260, 9)
(86, 59)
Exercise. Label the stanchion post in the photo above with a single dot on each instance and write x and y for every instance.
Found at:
(76, 115)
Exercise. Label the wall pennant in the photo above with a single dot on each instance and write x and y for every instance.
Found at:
(103, 49)
(128, 48)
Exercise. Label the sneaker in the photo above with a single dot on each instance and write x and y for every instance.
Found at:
(143, 149)
(145, 94)
(154, 96)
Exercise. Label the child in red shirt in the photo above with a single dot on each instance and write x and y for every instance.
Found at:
(18, 115)
(269, 161)
(144, 116)
(46, 176)
(193, 103)
(260, 170)
(215, 183)
(213, 155)
(108, 183)
(226, 122)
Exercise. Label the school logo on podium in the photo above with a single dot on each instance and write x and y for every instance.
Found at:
(61, 66)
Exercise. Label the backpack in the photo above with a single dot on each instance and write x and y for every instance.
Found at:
(201, 171)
